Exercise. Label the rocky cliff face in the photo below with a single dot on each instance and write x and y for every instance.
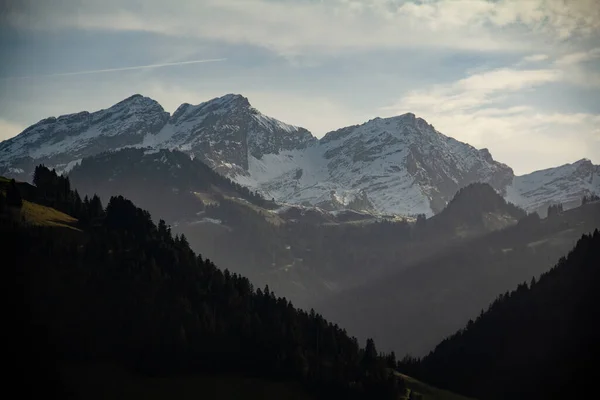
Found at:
(398, 165)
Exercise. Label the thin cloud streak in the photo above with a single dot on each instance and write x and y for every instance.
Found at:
(101, 71)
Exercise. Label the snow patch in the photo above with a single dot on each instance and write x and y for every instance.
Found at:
(207, 221)
(68, 167)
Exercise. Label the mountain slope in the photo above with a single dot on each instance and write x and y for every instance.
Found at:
(169, 184)
(400, 165)
(216, 215)
(125, 291)
(566, 184)
(439, 283)
(539, 341)
(474, 210)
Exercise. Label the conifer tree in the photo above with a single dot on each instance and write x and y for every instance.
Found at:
(13, 195)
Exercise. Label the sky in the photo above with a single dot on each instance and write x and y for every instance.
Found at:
(519, 77)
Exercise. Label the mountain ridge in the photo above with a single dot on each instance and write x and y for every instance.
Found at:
(399, 165)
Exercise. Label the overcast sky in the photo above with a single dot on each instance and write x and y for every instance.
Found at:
(521, 77)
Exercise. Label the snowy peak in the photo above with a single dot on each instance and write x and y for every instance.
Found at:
(224, 131)
(219, 105)
(406, 154)
(402, 126)
(409, 120)
(60, 141)
(221, 132)
(136, 102)
(584, 165)
(230, 100)
(566, 184)
(113, 121)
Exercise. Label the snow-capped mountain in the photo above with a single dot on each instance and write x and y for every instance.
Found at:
(399, 165)
(61, 142)
(222, 132)
(396, 165)
(566, 184)
(225, 132)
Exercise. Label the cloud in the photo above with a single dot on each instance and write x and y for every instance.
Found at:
(577, 68)
(139, 67)
(472, 109)
(305, 26)
(9, 129)
(534, 58)
(474, 91)
(579, 57)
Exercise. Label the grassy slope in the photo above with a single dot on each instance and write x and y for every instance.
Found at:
(37, 214)
(111, 382)
(45, 216)
(429, 392)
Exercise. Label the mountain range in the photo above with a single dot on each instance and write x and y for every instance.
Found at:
(399, 165)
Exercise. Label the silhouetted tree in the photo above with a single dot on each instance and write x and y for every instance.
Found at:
(13, 195)
(391, 360)
(590, 199)
(554, 210)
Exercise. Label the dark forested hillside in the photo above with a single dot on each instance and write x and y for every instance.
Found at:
(124, 290)
(474, 209)
(167, 183)
(538, 341)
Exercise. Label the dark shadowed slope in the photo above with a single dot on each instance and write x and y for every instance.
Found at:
(539, 341)
(167, 183)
